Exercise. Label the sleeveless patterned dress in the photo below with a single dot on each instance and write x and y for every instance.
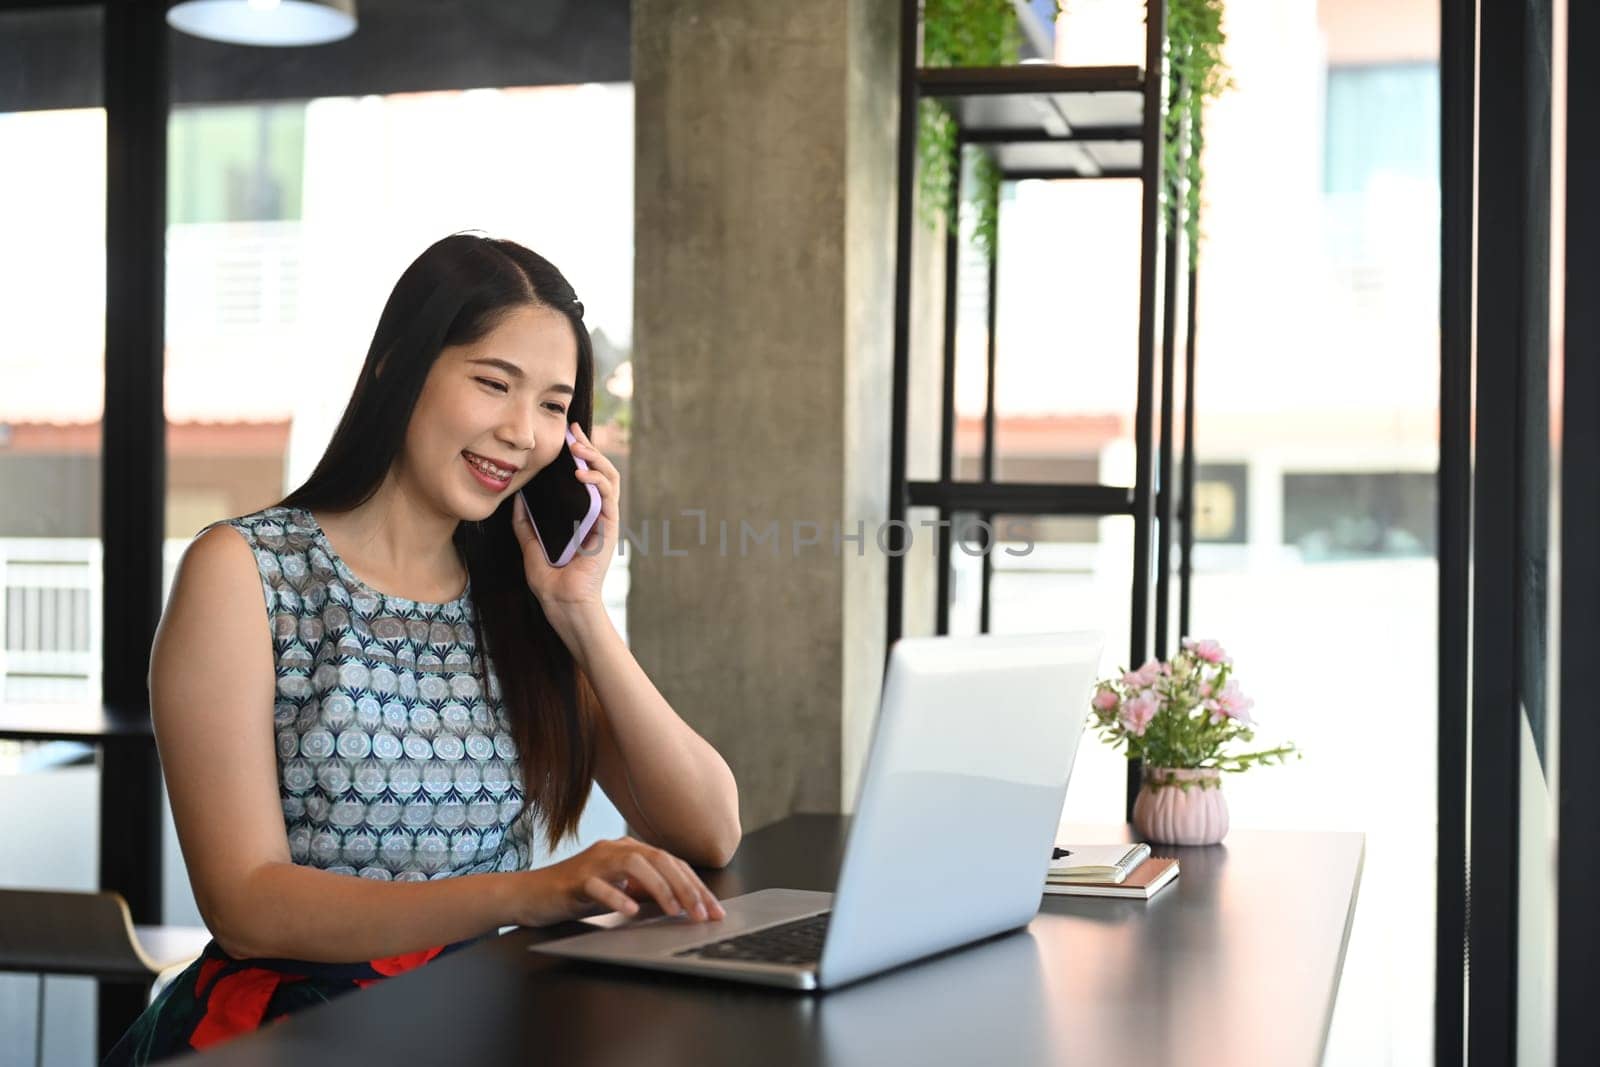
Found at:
(394, 763)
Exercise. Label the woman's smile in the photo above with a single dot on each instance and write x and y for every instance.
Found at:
(489, 474)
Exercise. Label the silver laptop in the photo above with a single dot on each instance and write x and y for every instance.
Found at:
(957, 812)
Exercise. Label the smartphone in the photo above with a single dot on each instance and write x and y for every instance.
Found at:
(564, 509)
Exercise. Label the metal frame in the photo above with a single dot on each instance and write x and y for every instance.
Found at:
(1577, 1024)
(991, 317)
(1507, 219)
(906, 177)
(1495, 465)
(1098, 134)
(1022, 498)
(1186, 495)
(947, 415)
(1457, 93)
(1166, 485)
(133, 461)
(1159, 499)
(1149, 300)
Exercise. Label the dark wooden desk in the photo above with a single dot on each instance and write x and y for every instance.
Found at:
(1237, 964)
(92, 724)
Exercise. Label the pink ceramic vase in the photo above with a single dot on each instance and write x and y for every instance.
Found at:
(1181, 806)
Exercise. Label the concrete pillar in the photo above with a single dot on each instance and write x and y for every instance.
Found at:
(763, 344)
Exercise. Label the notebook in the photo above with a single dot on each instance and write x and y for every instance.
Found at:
(1095, 863)
(1146, 881)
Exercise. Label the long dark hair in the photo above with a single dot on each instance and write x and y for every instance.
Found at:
(453, 294)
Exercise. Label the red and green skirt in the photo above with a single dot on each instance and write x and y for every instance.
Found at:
(218, 997)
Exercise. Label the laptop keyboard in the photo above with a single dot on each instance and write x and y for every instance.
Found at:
(797, 942)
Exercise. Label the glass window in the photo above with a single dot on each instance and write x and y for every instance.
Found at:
(236, 163)
(1221, 503)
(1352, 516)
(1317, 367)
(52, 390)
(1053, 573)
(1066, 336)
(1382, 119)
(1315, 424)
(1380, 180)
(52, 355)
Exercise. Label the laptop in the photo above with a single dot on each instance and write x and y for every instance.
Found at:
(960, 796)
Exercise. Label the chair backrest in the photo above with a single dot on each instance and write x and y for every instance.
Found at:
(64, 931)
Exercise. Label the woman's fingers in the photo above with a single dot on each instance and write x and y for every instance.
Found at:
(597, 461)
(595, 542)
(651, 880)
(696, 892)
(605, 483)
(688, 894)
(627, 871)
(708, 899)
(607, 895)
(687, 888)
(598, 479)
(592, 455)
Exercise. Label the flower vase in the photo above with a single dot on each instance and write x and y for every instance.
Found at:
(1181, 806)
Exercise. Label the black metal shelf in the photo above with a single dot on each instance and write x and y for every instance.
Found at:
(1015, 97)
(1043, 120)
(1022, 498)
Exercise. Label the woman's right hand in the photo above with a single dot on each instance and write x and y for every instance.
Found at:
(614, 876)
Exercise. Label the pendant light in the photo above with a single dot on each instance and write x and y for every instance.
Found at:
(265, 22)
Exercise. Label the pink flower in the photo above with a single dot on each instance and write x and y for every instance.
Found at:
(1104, 700)
(1144, 677)
(1232, 703)
(1206, 649)
(1137, 713)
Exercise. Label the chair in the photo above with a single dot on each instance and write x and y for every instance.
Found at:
(71, 932)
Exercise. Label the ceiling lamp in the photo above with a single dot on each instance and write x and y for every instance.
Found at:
(265, 22)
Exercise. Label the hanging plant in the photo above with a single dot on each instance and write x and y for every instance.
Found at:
(962, 33)
(1194, 59)
(984, 33)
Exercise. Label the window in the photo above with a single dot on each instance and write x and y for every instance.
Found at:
(1315, 431)
(1221, 503)
(1354, 516)
(1380, 181)
(235, 163)
(52, 356)
(52, 392)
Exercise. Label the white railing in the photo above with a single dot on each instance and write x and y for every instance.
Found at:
(51, 619)
(51, 615)
(228, 278)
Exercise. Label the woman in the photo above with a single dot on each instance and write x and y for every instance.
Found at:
(357, 773)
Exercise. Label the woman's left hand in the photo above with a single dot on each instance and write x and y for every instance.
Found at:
(577, 584)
